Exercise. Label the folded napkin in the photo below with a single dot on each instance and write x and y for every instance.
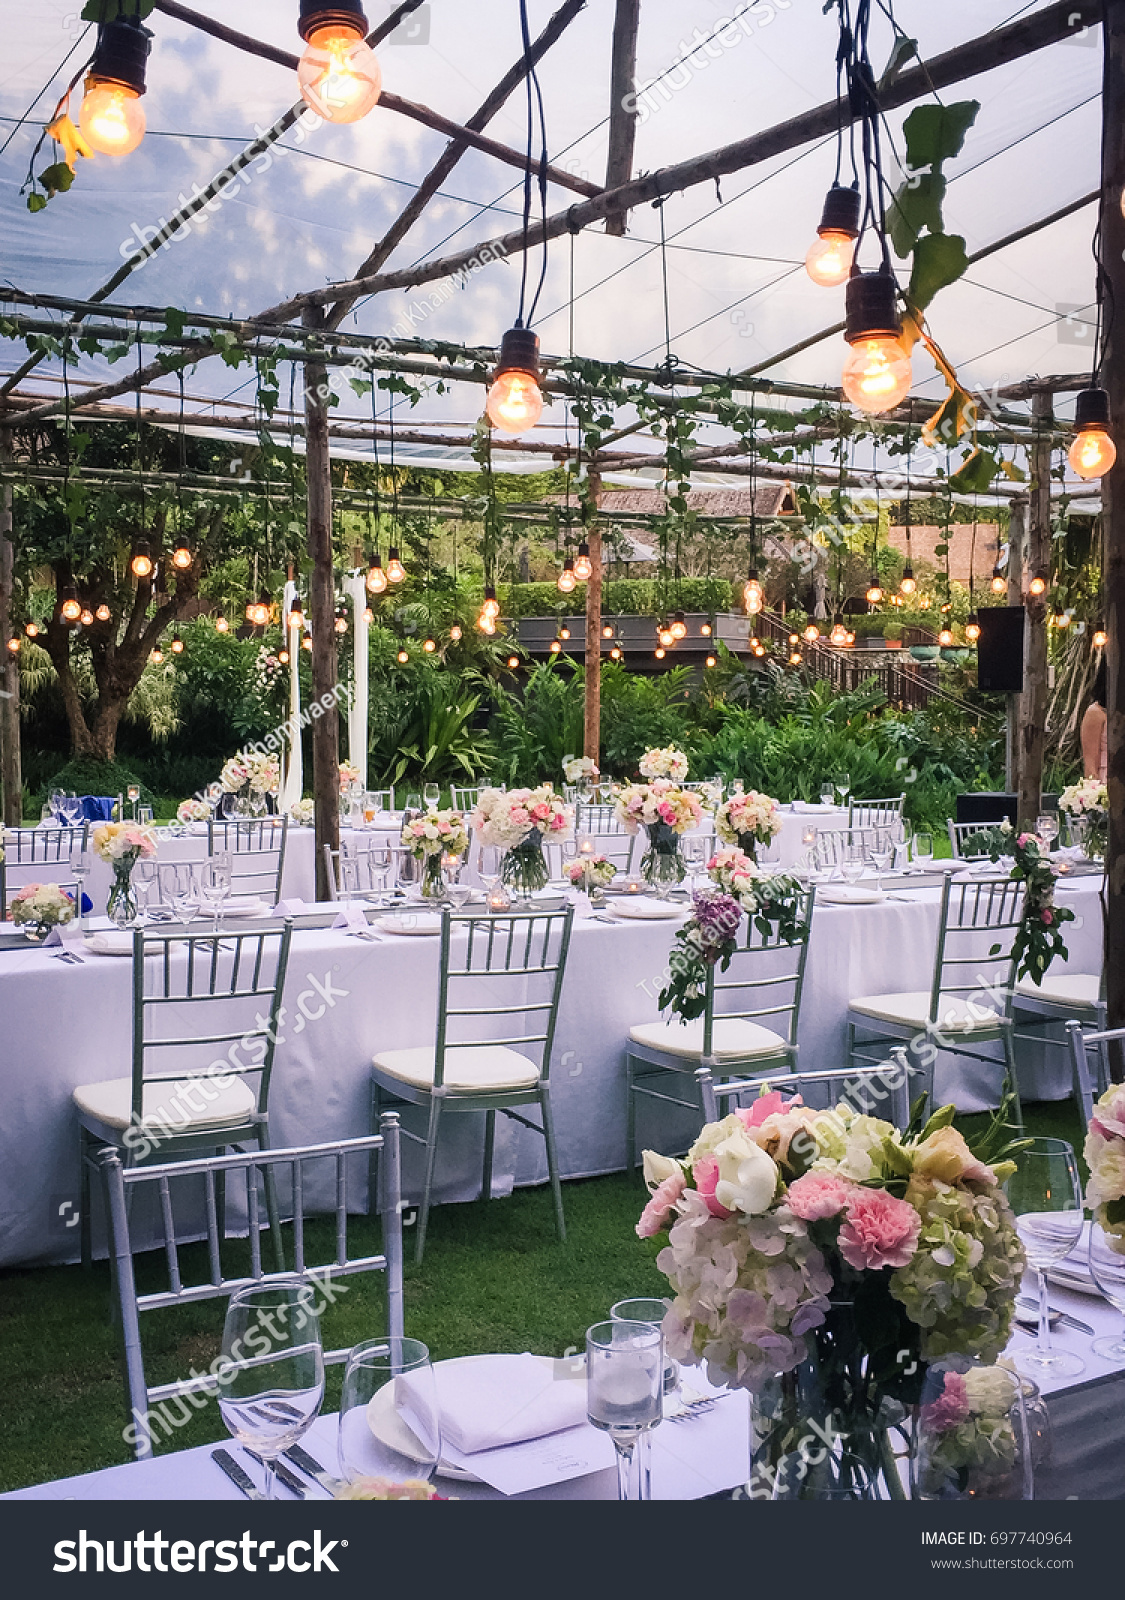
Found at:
(813, 807)
(643, 907)
(498, 1401)
(69, 936)
(110, 944)
(351, 917)
(294, 908)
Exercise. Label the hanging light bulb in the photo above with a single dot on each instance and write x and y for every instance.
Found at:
(14, 645)
(87, 617)
(456, 632)
(566, 579)
(338, 75)
(839, 634)
(755, 642)
(564, 632)
(491, 606)
(794, 658)
(296, 615)
(157, 656)
(1093, 451)
(615, 653)
(31, 629)
(177, 645)
(1099, 639)
(396, 572)
(607, 631)
(874, 591)
(909, 582)
(812, 633)
(376, 579)
(705, 630)
(306, 642)
(849, 638)
(221, 625)
(1062, 619)
(832, 252)
(759, 649)
(972, 628)
(70, 608)
(679, 627)
(429, 646)
(555, 647)
(368, 615)
(181, 554)
(752, 592)
(141, 563)
(877, 372)
(112, 118)
(515, 401)
(999, 583)
(341, 623)
(711, 661)
(283, 657)
(486, 623)
(1039, 584)
(513, 662)
(945, 637)
(666, 636)
(103, 613)
(403, 656)
(583, 566)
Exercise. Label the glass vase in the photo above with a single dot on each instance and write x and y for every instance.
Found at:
(433, 880)
(121, 907)
(523, 869)
(748, 844)
(970, 1437)
(662, 865)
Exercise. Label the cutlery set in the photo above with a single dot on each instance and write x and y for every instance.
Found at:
(285, 1476)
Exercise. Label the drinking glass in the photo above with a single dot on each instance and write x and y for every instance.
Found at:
(665, 875)
(147, 816)
(1046, 1196)
(414, 802)
(695, 854)
(55, 798)
(372, 805)
(185, 893)
(1107, 1268)
(827, 795)
(844, 787)
(881, 856)
(271, 1383)
(1047, 827)
(971, 1439)
(215, 883)
(133, 794)
(624, 1389)
(144, 881)
(390, 1423)
(851, 863)
(923, 849)
(651, 1311)
(80, 871)
(72, 810)
(432, 795)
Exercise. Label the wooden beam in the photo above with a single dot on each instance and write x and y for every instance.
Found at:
(1017, 549)
(622, 104)
(1033, 707)
(322, 612)
(996, 49)
(11, 777)
(593, 711)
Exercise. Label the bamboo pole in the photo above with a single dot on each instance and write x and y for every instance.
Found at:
(322, 611)
(593, 530)
(11, 777)
(1033, 709)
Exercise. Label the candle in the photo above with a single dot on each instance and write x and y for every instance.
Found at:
(585, 847)
(808, 836)
(633, 886)
(499, 899)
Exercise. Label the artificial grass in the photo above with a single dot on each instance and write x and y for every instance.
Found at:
(494, 1278)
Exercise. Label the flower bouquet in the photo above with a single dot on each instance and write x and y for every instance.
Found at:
(579, 769)
(1086, 806)
(970, 1436)
(1039, 939)
(303, 812)
(249, 778)
(667, 762)
(822, 1260)
(665, 812)
(388, 1489)
(122, 844)
(430, 837)
(516, 822)
(747, 820)
(193, 811)
(1105, 1157)
(39, 907)
(349, 776)
(591, 873)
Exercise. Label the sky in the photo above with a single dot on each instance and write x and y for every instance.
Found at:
(737, 292)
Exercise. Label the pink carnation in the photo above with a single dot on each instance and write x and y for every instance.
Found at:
(880, 1231)
(765, 1106)
(661, 1208)
(951, 1406)
(705, 1174)
(1047, 915)
(817, 1195)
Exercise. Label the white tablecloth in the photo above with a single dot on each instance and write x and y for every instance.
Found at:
(67, 1025)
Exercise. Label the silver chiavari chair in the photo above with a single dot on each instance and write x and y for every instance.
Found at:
(257, 852)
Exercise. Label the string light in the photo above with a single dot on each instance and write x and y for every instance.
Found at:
(491, 606)
(513, 662)
(157, 656)
(181, 554)
(566, 579)
(812, 633)
(759, 649)
(555, 647)
(1093, 451)
(1062, 619)
(711, 661)
(839, 634)
(849, 638)
(429, 646)
(999, 583)
(607, 631)
(396, 572)
(564, 632)
(972, 628)
(1099, 639)
(376, 579)
(70, 608)
(306, 643)
(794, 658)
(296, 616)
(679, 627)
(877, 372)
(660, 652)
(141, 563)
(666, 636)
(830, 256)
(752, 592)
(87, 618)
(283, 657)
(14, 645)
(221, 625)
(615, 653)
(341, 623)
(177, 645)
(945, 637)
(874, 591)
(1039, 583)
(403, 656)
(583, 566)
(515, 400)
(706, 630)
(338, 75)
(908, 583)
(31, 629)
(368, 615)
(112, 118)
(103, 613)
(456, 632)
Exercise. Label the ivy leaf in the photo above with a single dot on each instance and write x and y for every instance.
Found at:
(174, 321)
(975, 475)
(939, 260)
(916, 206)
(1012, 471)
(934, 133)
(941, 549)
(905, 50)
(56, 179)
(36, 202)
(109, 10)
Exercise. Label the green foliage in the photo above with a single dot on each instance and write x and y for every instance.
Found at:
(422, 726)
(939, 260)
(642, 597)
(85, 776)
(534, 734)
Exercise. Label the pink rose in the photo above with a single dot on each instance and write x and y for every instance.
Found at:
(1047, 915)
(765, 1106)
(817, 1195)
(951, 1406)
(662, 1207)
(705, 1175)
(880, 1231)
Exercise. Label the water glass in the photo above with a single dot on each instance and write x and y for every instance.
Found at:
(851, 863)
(653, 1312)
(624, 1394)
(414, 802)
(1046, 1196)
(1107, 1268)
(844, 787)
(923, 849)
(827, 795)
(432, 795)
(1047, 827)
(215, 883)
(271, 1383)
(144, 881)
(390, 1423)
(72, 810)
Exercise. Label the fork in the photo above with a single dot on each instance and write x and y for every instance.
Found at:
(68, 956)
(695, 1408)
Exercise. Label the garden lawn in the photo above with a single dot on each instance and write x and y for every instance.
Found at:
(494, 1278)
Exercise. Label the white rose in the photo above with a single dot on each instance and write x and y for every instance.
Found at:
(747, 1175)
(658, 1167)
(990, 1391)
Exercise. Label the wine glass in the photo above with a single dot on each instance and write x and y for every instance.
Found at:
(144, 881)
(827, 795)
(851, 863)
(390, 1422)
(1047, 827)
(431, 793)
(271, 1382)
(414, 803)
(844, 787)
(133, 794)
(881, 855)
(923, 849)
(185, 894)
(1107, 1268)
(650, 1311)
(72, 810)
(624, 1392)
(215, 883)
(1046, 1196)
(55, 798)
(695, 854)
(80, 871)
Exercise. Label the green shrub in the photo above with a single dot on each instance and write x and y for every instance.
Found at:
(620, 597)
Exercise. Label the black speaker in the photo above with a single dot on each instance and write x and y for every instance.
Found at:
(1000, 649)
(987, 808)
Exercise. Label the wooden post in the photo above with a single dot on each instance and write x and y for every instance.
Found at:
(1113, 516)
(322, 613)
(11, 777)
(622, 106)
(594, 627)
(1033, 710)
(1017, 546)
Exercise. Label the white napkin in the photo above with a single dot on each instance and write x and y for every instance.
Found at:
(643, 907)
(492, 1403)
(812, 807)
(351, 917)
(111, 944)
(69, 936)
(294, 908)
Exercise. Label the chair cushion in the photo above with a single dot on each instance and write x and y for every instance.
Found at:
(468, 1070)
(189, 1103)
(731, 1036)
(1063, 989)
(913, 1011)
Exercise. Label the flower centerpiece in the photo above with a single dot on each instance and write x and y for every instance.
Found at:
(822, 1260)
(590, 873)
(387, 1489)
(302, 812)
(516, 822)
(666, 812)
(748, 820)
(39, 907)
(250, 777)
(580, 769)
(1086, 805)
(122, 844)
(1105, 1157)
(969, 1439)
(193, 811)
(667, 762)
(430, 837)
(1039, 937)
(349, 777)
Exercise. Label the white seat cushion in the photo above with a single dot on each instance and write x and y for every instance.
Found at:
(1064, 989)
(196, 1102)
(468, 1070)
(735, 1037)
(913, 1011)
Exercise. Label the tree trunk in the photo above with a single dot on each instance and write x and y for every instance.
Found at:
(593, 738)
(11, 777)
(1033, 711)
(322, 612)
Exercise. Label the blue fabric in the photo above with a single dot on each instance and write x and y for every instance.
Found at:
(98, 808)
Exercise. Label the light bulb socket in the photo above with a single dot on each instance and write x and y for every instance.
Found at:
(344, 14)
(519, 352)
(489, 592)
(121, 54)
(841, 211)
(142, 551)
(870, 307)
(1091, 409)
(584, 551)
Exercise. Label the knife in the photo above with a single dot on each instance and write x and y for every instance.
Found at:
(310, 1466)
(289, 1479)
(237, 1475)
(1027, 1304)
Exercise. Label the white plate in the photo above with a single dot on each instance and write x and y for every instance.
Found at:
(246, 908)
(389, 1428)
(847, 894)
(422, 924)
(1080, 1282)
(640, 908)
(110, 944)
(9, 930)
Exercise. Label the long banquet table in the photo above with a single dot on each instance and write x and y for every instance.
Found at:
(64, 1025)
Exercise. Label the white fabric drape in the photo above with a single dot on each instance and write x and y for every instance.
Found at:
(293, 771)
(357, 712)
